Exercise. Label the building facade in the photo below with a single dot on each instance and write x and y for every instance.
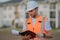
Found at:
(8, 10)
(47, 8)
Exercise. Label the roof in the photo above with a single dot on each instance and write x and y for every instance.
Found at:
(11, 1)
(16, 1)
(39, 0)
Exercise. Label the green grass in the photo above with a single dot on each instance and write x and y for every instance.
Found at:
(55, 28)
(20, 29)
(9, 29)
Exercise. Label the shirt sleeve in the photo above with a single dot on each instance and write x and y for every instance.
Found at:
(24, 25)
(48, 26)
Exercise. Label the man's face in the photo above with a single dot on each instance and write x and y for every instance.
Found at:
(33, 12)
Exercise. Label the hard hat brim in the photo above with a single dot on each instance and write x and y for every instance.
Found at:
(30, 9)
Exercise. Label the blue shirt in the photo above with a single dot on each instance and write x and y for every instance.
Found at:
(48, 26)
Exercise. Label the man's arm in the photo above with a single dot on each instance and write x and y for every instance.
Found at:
(24, 26)
(48, 28)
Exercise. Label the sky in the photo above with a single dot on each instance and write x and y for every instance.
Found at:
(3, 1)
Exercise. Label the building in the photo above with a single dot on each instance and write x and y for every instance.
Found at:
(48, 8)
(8, 9)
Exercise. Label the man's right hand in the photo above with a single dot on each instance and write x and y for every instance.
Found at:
(26, 37)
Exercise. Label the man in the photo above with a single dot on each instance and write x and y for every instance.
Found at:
(36, 23)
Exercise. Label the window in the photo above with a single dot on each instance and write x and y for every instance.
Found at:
(52, 24)
(45, 6)
(10, 16)
(4, 16)
(4, 8)
(39, 0)
(59, 19)
(52, 6)
(10, 7)
(27, 15)
(52, 14)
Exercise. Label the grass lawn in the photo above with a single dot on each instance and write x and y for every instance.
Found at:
(5, 34)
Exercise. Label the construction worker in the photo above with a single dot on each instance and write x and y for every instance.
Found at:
(36, 23)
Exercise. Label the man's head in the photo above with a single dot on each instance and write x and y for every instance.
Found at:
(32, 8)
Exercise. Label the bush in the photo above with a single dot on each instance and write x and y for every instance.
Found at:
(4, 26)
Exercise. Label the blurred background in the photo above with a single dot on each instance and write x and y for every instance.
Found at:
(16, 9)
(13, 13)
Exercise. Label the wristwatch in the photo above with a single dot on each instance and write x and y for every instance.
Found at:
(42, 35)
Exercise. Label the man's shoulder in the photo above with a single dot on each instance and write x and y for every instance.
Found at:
(43, 17)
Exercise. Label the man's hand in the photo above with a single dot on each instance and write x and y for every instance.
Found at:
(49, 35)
(26, 37)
